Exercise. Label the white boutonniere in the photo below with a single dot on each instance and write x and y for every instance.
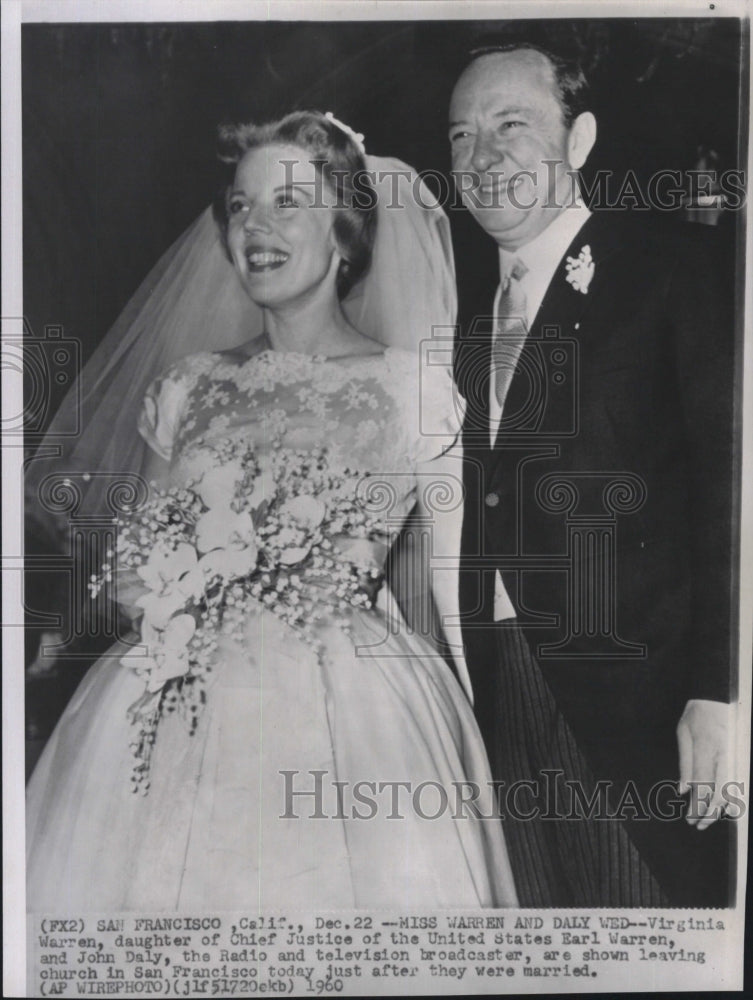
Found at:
(580, 270)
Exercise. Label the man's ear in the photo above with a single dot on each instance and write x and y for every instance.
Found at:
(581, 139)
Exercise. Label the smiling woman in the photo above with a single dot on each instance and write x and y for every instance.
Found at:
(302, 161)
(280, 236)
(264, 643)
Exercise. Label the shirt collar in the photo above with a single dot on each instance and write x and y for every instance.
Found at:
(544, 253)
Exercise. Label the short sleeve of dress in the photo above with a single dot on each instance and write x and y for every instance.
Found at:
(439, 412)
(432, 405)
(163, 408)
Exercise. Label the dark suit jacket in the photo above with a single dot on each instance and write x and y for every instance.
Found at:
(607, 502)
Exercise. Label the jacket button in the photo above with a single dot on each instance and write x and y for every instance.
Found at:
(491, 499)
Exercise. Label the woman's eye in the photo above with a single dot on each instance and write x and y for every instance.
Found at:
(235, 206)
(286, 201)
(459, 136)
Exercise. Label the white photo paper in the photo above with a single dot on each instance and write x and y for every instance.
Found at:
(376, 587)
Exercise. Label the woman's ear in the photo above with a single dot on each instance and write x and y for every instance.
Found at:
(335, 243)
(336, 261)
(581, 139)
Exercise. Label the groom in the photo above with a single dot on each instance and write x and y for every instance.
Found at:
(596, 572)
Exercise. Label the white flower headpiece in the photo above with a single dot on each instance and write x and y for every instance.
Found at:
(580, 270)
(357, 137)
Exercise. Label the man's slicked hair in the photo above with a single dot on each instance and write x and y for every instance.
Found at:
(572, 86)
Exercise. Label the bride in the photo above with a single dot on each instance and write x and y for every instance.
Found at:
(324, 754)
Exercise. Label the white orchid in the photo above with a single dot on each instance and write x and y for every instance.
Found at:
(217, 486)
(166, 565)
(222, 528)
(288, 536)
(167, 650)
(173, 578)
(229, 564)
(288, 542)
(307, 511)
(228, 541)
(161, 607)
(294, 554)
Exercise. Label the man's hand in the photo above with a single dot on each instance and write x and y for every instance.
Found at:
(703, 738)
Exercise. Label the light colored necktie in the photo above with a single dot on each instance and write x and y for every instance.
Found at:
(510, 336)
(512, 328)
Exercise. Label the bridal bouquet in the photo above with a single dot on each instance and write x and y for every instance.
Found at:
(246, 533)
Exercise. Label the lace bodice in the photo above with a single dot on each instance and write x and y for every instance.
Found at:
(380, 416)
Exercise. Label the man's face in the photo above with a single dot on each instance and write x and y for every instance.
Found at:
(510, 144)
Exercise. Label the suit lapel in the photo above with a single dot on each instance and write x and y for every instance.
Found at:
(472, 373)
(562, 312)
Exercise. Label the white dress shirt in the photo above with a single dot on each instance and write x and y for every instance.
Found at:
(542, 256)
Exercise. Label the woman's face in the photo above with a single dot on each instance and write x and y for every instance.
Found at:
(280, 228)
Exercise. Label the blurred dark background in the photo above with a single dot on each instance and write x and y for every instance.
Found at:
(119, 125)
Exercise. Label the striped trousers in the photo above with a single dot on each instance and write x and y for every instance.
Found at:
(562, 853)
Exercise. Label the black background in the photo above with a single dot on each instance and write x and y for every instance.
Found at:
(119, 125)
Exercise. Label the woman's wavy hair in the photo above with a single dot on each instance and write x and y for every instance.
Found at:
(338, 161)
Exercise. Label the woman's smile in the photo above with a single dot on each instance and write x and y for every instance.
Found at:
(261, 259)
(275, 220)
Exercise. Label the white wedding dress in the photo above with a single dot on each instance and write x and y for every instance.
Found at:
(219, 828)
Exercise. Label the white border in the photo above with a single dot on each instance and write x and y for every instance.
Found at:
(14, 889)
(14, 13)
(362, 10)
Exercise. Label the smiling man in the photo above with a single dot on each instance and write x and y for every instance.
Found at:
(512, 137)
(596, 563)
